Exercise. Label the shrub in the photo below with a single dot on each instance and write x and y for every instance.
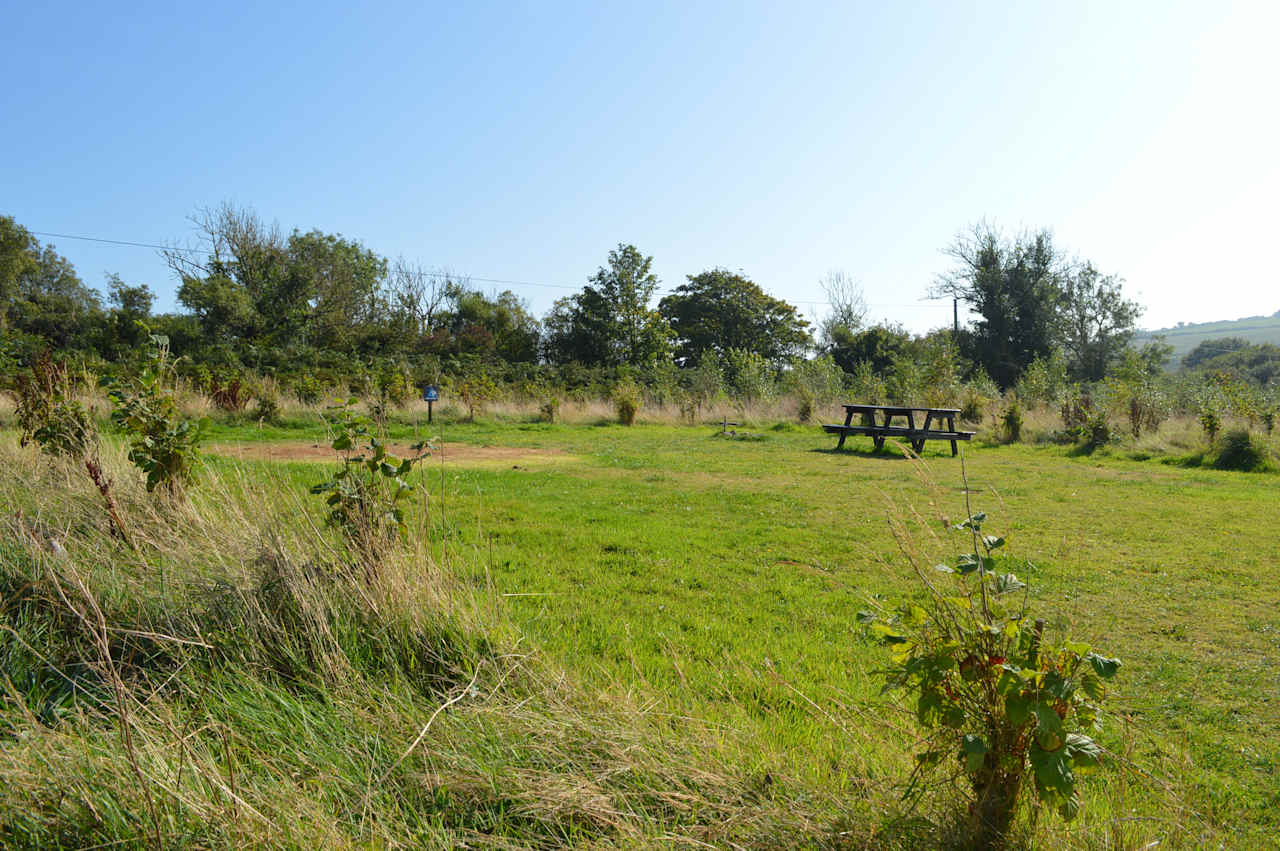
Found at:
(994, 696)
(1077, 408)
(551, 409)
(268, 410)
(229, 392)
(365, 493)
(972, 405)
(47, 411)
(626, 400)
(1240, 450)
(162, 443)
(1210, 422)
(1011, 421)
(1095, 432)
(749, 374)
(1044, 380)
(805, 412)
(476, 390)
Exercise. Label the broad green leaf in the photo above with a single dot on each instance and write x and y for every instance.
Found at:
(1018, 709)
(1049, 734)
(1077, 647)
(887, 633)
(1007, 582)
(1054, 779)
(1105, 667)
(343, 441)
(992, 542)
(1059, 686)
(1091, 685)
(1008, 683)
(974, 751)
(942, 568)
(1085, 752)
(864, 617)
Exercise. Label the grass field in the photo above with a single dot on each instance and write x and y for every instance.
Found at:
(700, 592)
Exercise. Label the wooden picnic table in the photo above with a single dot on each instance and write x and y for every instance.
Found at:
(917, 436)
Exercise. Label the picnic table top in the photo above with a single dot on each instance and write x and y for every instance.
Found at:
(893, 409)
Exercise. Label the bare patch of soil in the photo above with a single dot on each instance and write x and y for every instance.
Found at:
(460, 453)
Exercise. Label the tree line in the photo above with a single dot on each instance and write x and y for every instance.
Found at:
(257, 299)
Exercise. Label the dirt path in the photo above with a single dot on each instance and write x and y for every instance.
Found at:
(461, 453)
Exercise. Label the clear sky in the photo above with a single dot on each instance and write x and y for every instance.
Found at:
(524, 141)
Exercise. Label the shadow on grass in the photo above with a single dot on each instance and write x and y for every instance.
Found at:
(888, 453)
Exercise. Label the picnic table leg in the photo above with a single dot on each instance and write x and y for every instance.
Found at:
(848, 418)
(951, 424)
(918, 443)
(888, 421)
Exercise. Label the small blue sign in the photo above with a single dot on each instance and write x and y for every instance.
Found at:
(430, 393)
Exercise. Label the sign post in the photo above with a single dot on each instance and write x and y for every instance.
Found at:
(430, 394)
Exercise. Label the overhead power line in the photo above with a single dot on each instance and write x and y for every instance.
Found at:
(505, 281)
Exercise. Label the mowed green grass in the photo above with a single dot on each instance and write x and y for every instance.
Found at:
(721, 578)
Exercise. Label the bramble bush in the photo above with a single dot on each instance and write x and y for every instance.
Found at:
(997, 700)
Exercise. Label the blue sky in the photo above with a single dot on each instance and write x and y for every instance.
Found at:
(524, 141)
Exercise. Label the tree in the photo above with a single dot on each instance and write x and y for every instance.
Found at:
(130, 306)
(1015, 287)
(258, 286)
(1209, 349)
(717, 311)
(471, 322)
(610, 322)
(848, 307)
(1096, 321)
(879, 346)
(40, 292)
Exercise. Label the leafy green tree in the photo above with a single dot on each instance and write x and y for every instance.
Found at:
(500, 326)
(130, 310)
(1257, 363)
(257, 286)
(1208, 349)
(1031, 298)
(576, 330)
(1096, 321)
(610, 322)
(1015, 287)
(879, 346)
(717, 311)
(41, 294)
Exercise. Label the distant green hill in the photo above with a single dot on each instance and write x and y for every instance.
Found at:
(1184, 338)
